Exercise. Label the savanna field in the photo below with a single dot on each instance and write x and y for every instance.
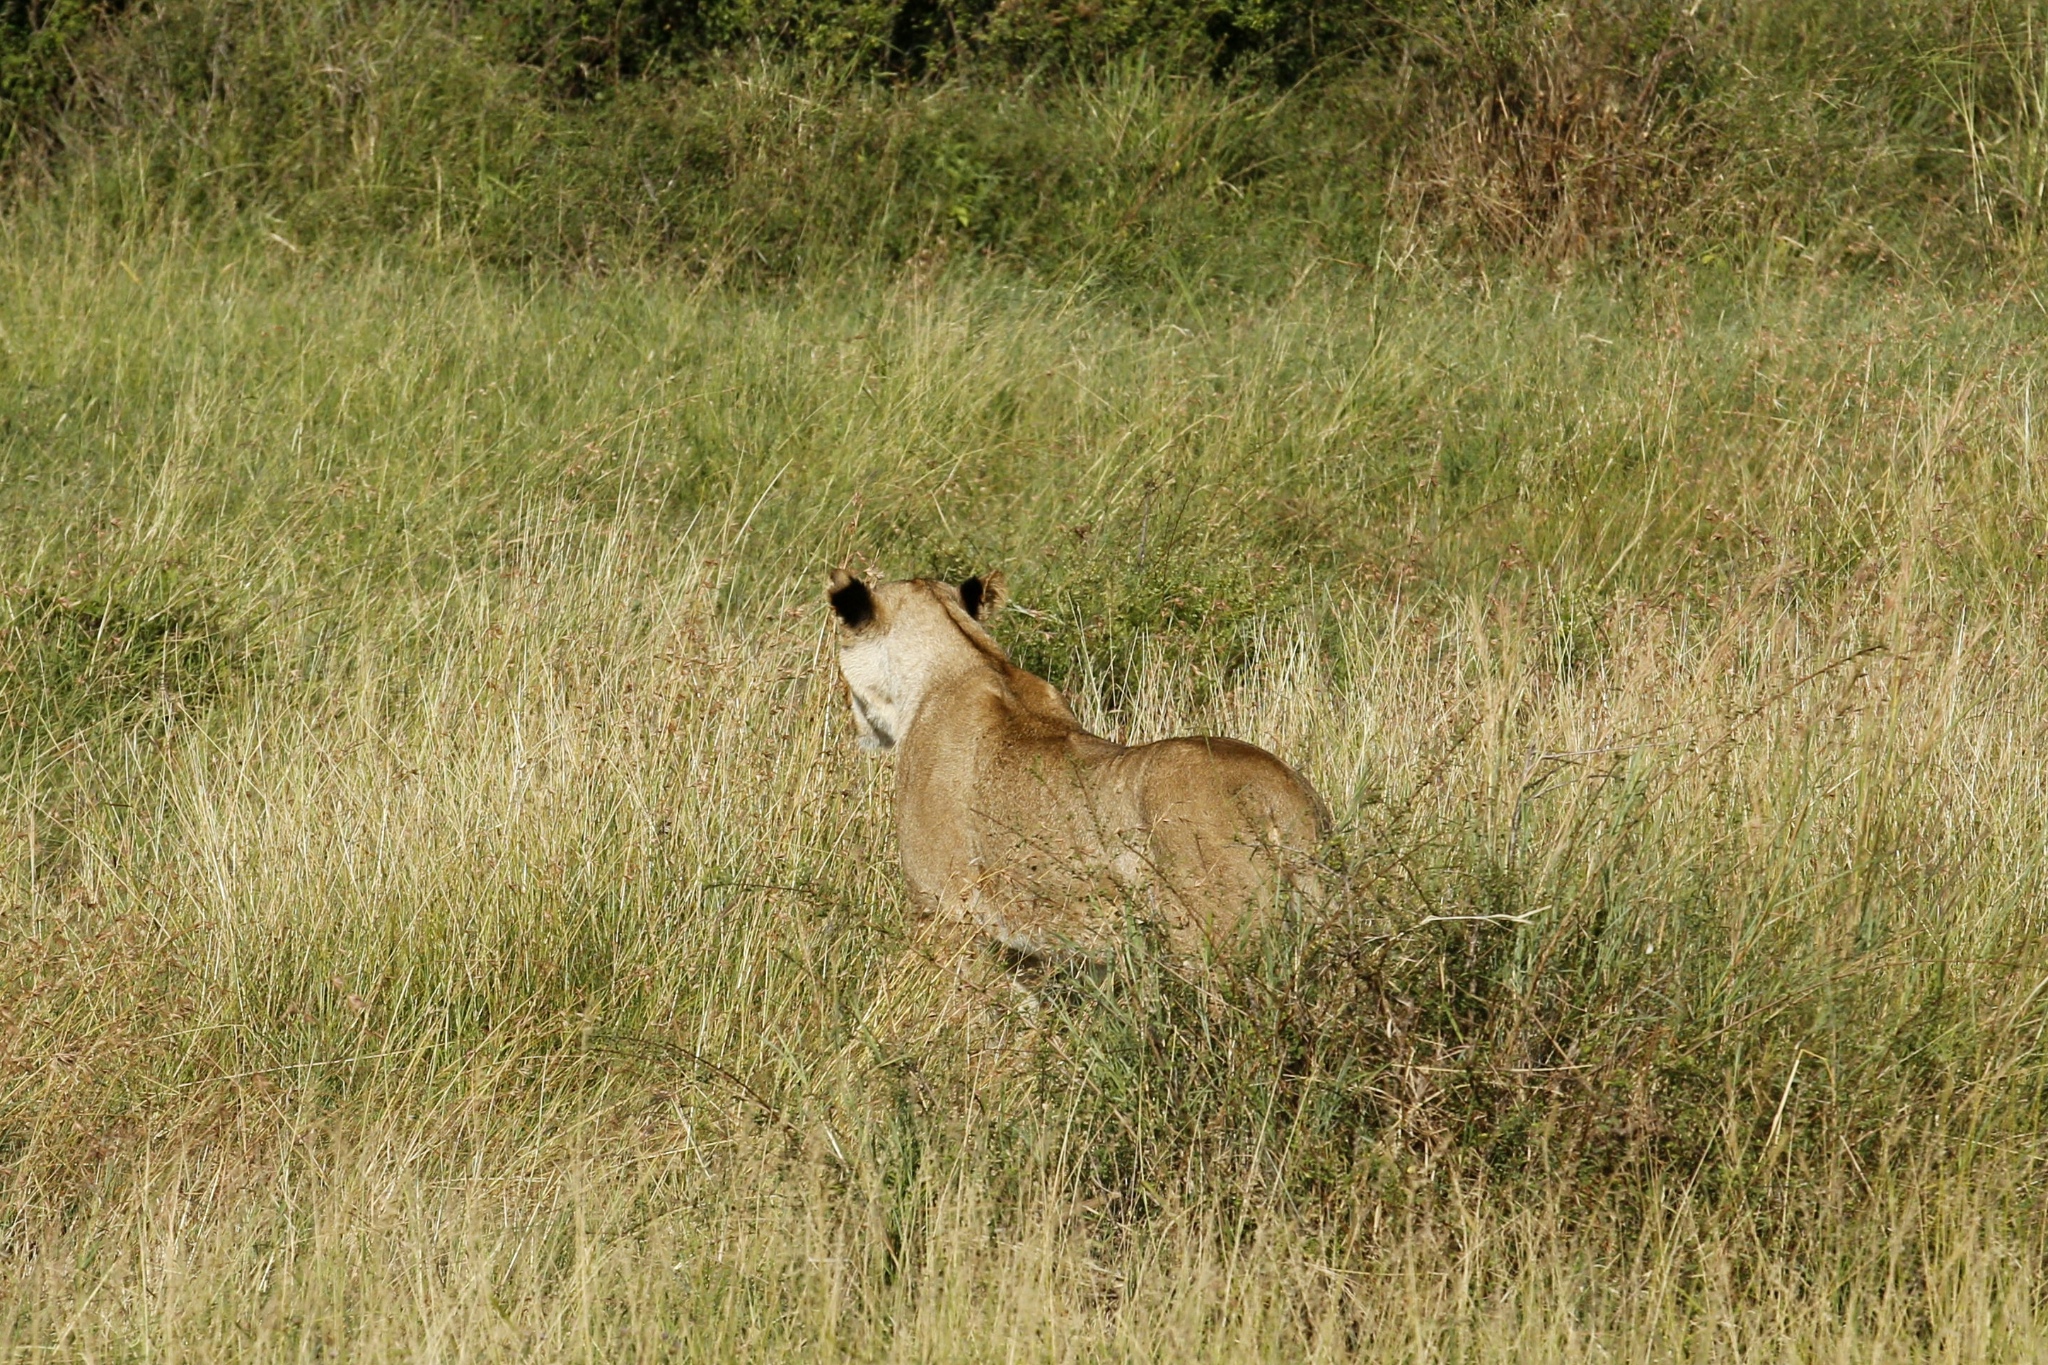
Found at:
(444, 914)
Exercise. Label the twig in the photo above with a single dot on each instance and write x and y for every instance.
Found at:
(626, 1044)
(1525, 917)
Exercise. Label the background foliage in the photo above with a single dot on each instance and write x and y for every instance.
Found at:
(1148, 138)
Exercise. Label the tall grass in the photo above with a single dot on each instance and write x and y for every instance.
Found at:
(1869, 136)
(445, 913)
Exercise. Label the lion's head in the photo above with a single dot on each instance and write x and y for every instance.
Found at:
(897, 639)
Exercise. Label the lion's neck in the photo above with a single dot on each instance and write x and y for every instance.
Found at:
(949, 714)
(974, 701)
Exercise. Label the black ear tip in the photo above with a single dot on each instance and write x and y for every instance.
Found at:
(970, 597)
(851, 600)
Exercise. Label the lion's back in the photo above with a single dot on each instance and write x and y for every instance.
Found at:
(1021, 821)
(1231, 826)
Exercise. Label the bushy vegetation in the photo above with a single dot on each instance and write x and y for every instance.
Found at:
(442, 911)
(1173, 145)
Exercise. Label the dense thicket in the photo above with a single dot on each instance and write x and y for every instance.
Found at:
(1233, 139)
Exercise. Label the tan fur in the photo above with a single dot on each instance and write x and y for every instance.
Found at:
(1013, 818)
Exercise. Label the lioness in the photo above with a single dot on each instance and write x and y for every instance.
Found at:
(1012, 818)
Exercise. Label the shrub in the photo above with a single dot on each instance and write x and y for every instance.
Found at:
(37, 42)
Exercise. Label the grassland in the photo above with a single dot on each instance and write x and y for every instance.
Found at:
(445, 916)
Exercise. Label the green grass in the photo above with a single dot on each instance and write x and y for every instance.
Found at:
(1876, 136)
(446, 915)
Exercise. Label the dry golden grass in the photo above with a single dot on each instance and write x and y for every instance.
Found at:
(445, 916)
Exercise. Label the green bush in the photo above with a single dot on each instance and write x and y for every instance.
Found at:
(37, 38)
(1181, 144)
(587, 47)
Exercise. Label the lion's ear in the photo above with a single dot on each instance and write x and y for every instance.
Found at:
(983, 597)
(851, 599)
